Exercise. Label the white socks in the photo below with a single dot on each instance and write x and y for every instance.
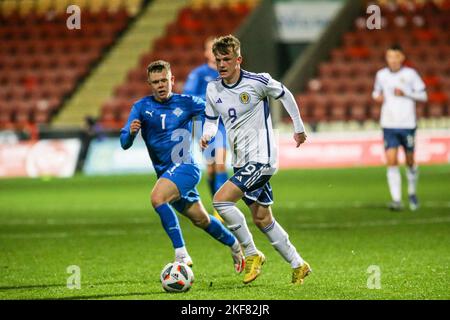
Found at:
(412, 175)
(395, 183)
(235, 221)
(280, 241)
(181, 252)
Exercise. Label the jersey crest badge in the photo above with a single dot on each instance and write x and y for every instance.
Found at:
(177, 112)
(244, 97)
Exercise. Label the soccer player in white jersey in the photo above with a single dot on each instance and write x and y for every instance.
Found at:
(398, 88)
(241, 99)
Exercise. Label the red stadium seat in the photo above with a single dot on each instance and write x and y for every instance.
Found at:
(436, 110)
(374, 111)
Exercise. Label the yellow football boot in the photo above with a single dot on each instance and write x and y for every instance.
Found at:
(253, 266)
(299, 274)
(217, 215)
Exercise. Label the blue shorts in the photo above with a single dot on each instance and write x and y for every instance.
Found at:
(393, 138)
(186, 177)
(253, 179)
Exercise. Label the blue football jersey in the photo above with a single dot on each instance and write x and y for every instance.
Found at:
(198, 80)
(166, 128)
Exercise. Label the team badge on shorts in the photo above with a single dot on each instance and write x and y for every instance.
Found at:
(244, 97)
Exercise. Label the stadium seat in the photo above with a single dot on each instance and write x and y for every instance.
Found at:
(35, 38)
(421, 29)
(436, 110)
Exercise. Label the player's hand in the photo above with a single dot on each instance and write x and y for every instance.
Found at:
(135, 126)
(379, 99)
(299, 138)
(204, 141)
(398, 92)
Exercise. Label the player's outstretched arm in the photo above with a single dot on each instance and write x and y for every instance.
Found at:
(378, 98)
(299, 138)
(414, 95)
(417, 92)
(209, 131)
(291, 107)
(131, 129)
(127, 135)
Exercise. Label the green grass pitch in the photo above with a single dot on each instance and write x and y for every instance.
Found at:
(337, 219)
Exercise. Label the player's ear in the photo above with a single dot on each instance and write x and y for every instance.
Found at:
(172, 80)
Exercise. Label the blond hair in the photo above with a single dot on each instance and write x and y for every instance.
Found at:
(227, 44)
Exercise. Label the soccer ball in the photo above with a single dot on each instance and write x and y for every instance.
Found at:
(177, 277)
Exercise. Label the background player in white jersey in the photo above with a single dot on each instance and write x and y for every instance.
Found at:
(398, 88)
(241, 99)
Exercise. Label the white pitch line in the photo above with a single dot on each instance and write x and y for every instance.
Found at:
(351, 204)
(149, 219)
(375, 223)
(76, 221)
(304, 226)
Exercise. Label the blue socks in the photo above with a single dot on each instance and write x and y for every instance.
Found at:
(170, 223)
(219, 232)
(220, 179)
(211, 186)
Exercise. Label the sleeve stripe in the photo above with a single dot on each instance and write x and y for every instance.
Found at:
(256, 75)
(257, 79)
(211, 118)
(281, 94)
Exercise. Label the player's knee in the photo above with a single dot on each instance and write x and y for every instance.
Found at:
(392, 162)
(262, 221)
(410, 161)
(157, 199)
(218, 197)
(201, 221)
(220, 167)
(211, 170)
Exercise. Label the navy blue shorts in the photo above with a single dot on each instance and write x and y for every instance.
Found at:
(253, 180)
(186, 177)
(393, 138)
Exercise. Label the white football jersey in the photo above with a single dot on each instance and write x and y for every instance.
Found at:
(244, 108)
(398, 111)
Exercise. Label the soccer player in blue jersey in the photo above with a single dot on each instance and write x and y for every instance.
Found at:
(215, 154)
(165, 121)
